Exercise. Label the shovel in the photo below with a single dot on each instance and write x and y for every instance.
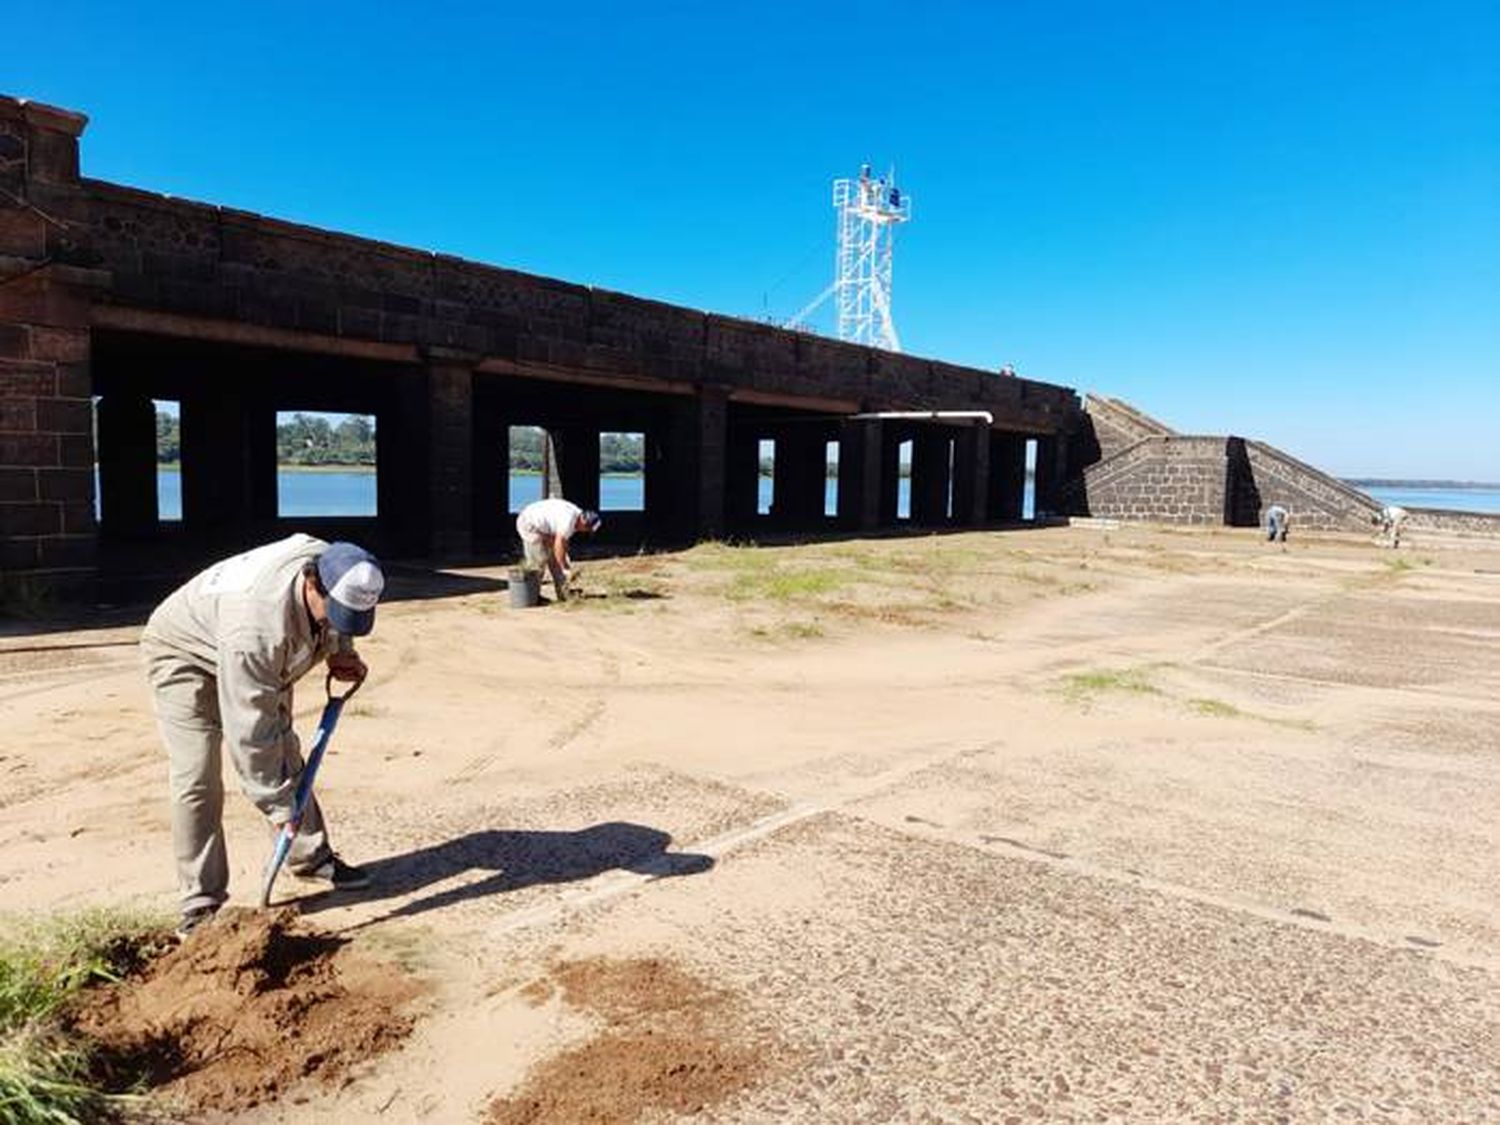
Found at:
(326, 723)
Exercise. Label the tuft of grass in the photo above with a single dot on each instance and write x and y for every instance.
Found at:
(44, 1072)
(802, 630)
(1215, 708)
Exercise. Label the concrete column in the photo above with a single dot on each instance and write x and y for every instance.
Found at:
(741, 477)
(1051, 456)
(577, 450)
(450, 460)
(801, 476)
(889, 491)
(403, 492)
(263, 479)
(711, 426)
(216, 467)
(930, 475)
(859, 474)
(686, 465)
(493, 527)
(971, 475)
(127, 466)
(1008, 475)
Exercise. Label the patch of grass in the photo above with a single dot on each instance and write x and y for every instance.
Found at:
(44, 1073)
(788, 630)
(1084, 685)
(802, 630)
(1215, 708)
(783, 584)
(1399, 565)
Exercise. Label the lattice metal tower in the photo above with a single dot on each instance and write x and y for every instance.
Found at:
(869, 211)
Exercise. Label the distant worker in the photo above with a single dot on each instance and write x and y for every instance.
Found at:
(545, 528)
(1278, 520)
(222, 653)
(1391, 519)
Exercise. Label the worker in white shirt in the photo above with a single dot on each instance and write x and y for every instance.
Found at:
(1392, 519)
(546, 527)
(1278, 521)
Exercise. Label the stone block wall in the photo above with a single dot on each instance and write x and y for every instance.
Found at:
(1485, 524)
(197, 260)
(1314, 499)
(1118, 425)
(46, 434)
(46, 412)
(1175, 479)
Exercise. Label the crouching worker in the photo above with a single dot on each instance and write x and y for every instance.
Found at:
(1278, 521)
(1391, 519)
(546, 527)
(222, 653)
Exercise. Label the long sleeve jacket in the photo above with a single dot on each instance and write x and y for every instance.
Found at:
(243, 620)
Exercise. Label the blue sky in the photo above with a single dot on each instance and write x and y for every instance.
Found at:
(1278, 220)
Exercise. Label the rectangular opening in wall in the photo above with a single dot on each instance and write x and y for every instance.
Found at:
(948, 500)
(526, 444)
(1028, 492)
(622, 466)
(168, 460)
(325, 464)
(903, 472)
(766, 493)
(831, 479)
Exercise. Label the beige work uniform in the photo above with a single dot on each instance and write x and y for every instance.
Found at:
(222, 653)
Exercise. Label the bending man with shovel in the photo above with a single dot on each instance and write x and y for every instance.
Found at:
(222, 653)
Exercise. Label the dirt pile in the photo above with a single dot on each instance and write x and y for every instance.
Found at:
(670, 1044)
(247, 1006)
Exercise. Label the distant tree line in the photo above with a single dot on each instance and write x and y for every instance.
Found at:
(310, 439)
(304, 439)
(168, 438)
(618, 453)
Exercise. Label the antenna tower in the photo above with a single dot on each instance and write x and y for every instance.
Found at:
(869, 211)
(869, 208)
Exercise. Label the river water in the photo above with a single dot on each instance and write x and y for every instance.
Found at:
(353, 494)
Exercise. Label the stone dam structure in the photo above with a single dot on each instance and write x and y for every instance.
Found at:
(112, 298)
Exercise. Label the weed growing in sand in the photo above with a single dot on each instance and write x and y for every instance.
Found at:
(1215, 708)
(43, 964)
(1218, 709)
(788, 630)
(1082, 686)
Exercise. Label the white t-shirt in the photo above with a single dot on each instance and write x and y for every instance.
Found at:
(554, 516)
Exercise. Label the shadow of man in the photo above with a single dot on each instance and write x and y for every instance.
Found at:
(518, 858)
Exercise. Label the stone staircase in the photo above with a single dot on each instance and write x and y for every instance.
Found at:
(1147, 471)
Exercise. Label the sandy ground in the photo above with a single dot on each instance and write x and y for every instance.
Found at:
(1073, 824)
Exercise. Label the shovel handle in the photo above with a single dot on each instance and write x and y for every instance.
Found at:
(354, 686)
